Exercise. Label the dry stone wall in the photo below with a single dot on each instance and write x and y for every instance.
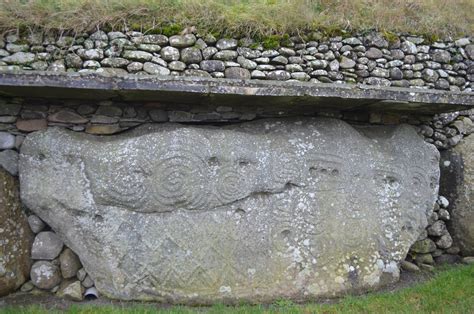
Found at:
(404, 61)
(20, 117)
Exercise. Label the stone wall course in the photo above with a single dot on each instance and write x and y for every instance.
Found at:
(409, 61)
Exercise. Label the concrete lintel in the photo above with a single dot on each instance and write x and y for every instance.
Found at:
(196, 90)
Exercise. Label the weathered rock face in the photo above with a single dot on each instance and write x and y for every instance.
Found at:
(289, 208)
(15, 237)
(457, 166)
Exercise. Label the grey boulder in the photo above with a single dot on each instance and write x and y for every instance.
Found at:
(45, 275)
(47, 246)
(458, 185)
(289, 208)
(15, 237)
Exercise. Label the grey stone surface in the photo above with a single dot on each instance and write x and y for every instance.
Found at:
(81, 274)
(15, 237)
(170, 54)
(88, 282)
(45, 275)
(9, 161)
(36, 224)
(227, 44)
(257, 211)
(237, 73)
(7, 140)
(153, 68)
(47, 246)
(212, 65)
(20, 58)
(69, 263)
(252, 92)
(191, 55)
(458, 185)
(136, 55)
(351, 60)
(178, 41)
(71, 291)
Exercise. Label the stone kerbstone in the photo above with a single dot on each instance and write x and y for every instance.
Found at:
(115, 62)
(177, 66)
(374, 53)
(153, 68)
(158, 115)
(457, 185)
(346, 63)
(10, 109)
(237, 73)
(405, 265)
(31, 125)
(437, 229)
(9, 161)
(447, 259)
(81, 274)
(69, 263)
(136, 55)
(424, 246)
(47, 246)
(226, 55)
(184, 41)
(191, 55)
(156, 39)
(67, 116)
(469, 49)
(278, 75)
(468, 260)
(212, 65)
(71, 291)
(441, 56)
(170, 54)
(72, 60)
(227, 44)
(7, 140)
(149, 47)
(36, 224)
(88, 282)
(15, 237)
(45, 275)
(445, 241)
(196, 73)
(20, 58)
(102, 129)
(241, 212)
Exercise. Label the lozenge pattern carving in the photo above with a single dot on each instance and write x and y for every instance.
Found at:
(289, 208)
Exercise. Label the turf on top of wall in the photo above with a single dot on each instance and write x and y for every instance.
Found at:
(256, 18)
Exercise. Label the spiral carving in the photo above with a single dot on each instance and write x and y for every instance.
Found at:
(231, 185)
(181, 180)
(124, 183)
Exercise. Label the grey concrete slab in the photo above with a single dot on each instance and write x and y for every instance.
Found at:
(195, 90)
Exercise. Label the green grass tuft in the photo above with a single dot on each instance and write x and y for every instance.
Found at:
(450, 291)
(253, 18)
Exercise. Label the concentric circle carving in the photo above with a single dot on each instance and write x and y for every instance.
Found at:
(231, 185)
(124, 182)
(181, 180)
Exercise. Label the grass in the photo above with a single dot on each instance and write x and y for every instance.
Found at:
(450, 291)
(254, 18)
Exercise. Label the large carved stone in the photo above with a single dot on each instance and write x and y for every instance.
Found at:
(457, 166)
(15, 237)
(290, 208)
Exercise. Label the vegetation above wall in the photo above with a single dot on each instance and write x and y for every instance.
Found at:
(256, 18)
